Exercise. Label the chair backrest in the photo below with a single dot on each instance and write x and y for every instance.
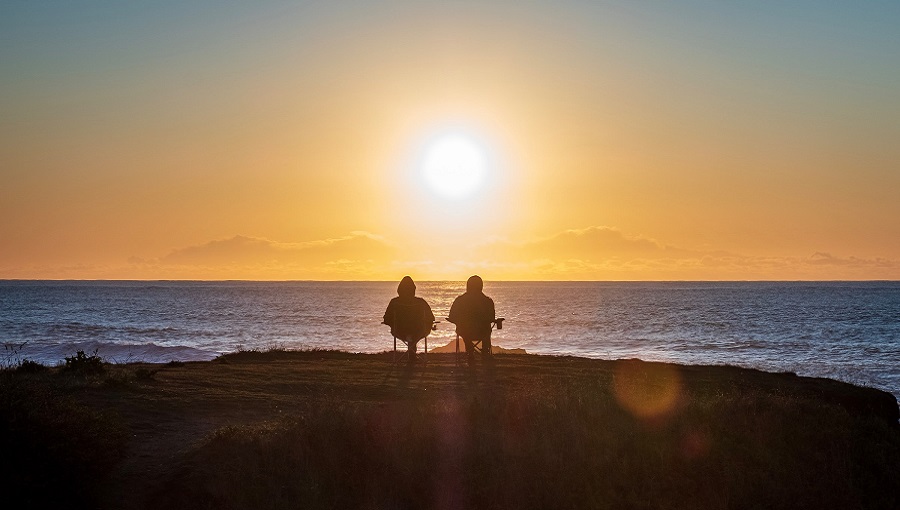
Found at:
(410, 321)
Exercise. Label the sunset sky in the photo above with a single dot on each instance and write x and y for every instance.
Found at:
(608, 140)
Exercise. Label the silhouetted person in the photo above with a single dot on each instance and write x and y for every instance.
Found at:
(473, 313)
(409, 317)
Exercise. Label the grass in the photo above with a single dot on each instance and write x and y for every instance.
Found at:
(325, 429)
(55, 450)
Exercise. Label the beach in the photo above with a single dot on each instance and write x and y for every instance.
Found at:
(329, 429)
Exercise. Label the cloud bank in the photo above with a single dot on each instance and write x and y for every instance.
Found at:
(358, 255)
(606, 253)
(592, 253)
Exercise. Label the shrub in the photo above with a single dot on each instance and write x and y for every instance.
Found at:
(30, 367)
(81, 363)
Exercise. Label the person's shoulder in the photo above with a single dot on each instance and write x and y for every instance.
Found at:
(395, 301)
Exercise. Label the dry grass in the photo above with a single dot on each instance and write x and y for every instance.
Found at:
(335, 430)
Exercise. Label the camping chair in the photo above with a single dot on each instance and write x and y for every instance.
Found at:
(409, 322)
(477, 344)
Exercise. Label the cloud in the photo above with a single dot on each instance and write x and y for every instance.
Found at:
(592, 253)
(594, 242)
(591, 243)
(827, 259)
(354, 256)
(602, 252)
(253, 250)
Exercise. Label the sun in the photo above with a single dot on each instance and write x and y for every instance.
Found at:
(454, 166)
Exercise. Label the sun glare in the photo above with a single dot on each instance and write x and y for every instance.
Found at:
(454, 166)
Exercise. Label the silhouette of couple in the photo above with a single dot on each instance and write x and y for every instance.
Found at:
(411, 319)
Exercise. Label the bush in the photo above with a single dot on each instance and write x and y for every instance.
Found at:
(30, 367)
(81, 363)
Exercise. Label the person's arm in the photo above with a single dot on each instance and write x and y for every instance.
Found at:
(427, 317)
(428, 312)
(389, 314)
(451, 317)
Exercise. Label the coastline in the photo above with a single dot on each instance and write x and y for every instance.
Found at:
(177, 429)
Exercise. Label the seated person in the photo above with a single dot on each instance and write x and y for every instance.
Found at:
(409, 317)
(473, 314)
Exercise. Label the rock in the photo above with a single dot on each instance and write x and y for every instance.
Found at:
(495, 349)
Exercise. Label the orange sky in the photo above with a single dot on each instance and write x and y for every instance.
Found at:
(626, 141)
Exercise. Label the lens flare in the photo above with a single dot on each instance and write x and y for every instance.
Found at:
(647, 390)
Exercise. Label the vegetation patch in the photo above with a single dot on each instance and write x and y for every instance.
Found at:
(324, 429)
(56, 452)
(84, 364)
(560, 445)
(31, 367)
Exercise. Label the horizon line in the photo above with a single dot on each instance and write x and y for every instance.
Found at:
(877, 280)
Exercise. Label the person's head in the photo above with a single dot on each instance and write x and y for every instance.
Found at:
(474, 284)
(407, 287)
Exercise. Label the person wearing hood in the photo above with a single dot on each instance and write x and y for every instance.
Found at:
(409, 317)
(473, 314)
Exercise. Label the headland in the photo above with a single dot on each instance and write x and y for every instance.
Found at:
(328, 429)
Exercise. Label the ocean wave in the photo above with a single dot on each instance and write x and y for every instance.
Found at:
(55, 354)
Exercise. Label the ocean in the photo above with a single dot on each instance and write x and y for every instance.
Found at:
(848, 331)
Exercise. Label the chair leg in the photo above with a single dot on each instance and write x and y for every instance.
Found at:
(411, 348)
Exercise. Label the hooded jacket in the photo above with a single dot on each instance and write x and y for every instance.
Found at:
(473, 312)
(409, 316)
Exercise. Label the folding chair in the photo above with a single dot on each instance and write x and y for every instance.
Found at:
(408, 325)
(477, 344)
